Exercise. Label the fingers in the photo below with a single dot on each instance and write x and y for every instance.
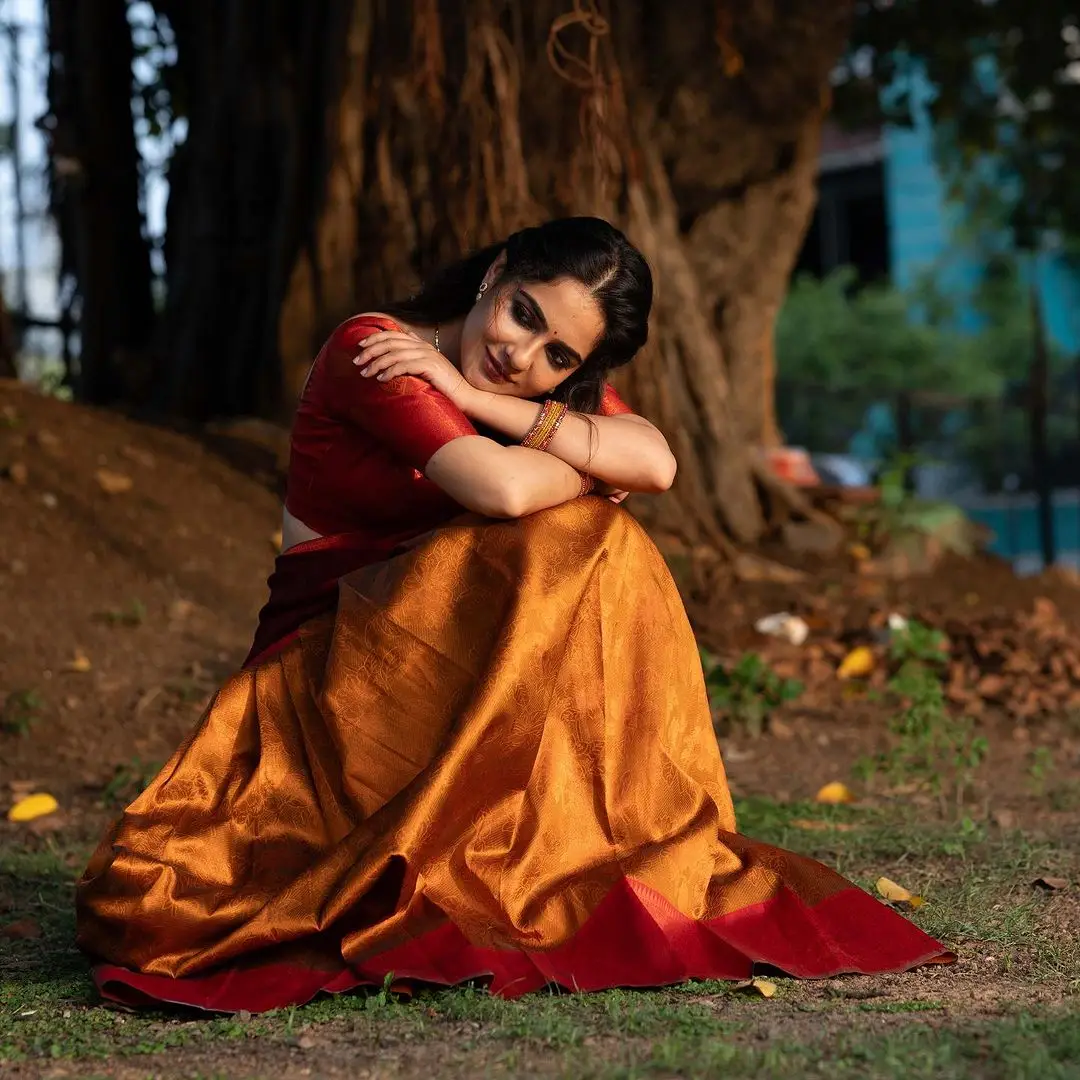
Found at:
(388, 335)
(391, 368)
(385, 340)
(379, 365)
(383, 348)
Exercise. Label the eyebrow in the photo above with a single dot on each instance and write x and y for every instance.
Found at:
(538, 314)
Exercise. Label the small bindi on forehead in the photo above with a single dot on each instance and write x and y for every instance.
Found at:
(569, 306)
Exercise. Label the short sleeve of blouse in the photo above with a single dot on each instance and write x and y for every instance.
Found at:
(611, 404)
(406, 415)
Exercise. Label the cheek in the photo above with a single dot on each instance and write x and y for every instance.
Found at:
(499, 324)
(545, 380)
(473, 334)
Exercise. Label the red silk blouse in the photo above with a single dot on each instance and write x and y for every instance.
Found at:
(359, 446)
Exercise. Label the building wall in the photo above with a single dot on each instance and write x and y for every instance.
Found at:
(922, 230)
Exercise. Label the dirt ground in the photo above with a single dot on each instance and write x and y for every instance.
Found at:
(121, 612)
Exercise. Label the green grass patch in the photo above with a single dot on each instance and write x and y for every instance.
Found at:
(978, 884)
(1018, 1048)
(978, 890)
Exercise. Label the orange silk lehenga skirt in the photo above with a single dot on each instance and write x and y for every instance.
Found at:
(492, 760)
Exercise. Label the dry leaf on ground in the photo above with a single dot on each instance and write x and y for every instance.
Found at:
(33, 806)
(113, 483)
(765, 987)
(857, 664)
(181, 609)
(79, 663)
(816, 825)
(1051, 884)
(834, 794)
(897, 894)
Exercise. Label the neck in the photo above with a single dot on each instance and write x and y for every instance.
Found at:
(449, 338)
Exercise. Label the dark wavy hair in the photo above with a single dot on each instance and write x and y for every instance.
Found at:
(587, 249)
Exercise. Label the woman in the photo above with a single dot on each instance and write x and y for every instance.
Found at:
(465, 747)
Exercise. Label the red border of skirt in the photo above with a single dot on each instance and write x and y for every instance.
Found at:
(635, 938)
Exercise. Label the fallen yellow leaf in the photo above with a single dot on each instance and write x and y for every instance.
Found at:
(276, 541)
(80, 663)
(860, 552)
(764, 987)
(835, 793)
(897, 894)
(816, 825)
(857, 664)
(113, 483)
(891, 891)
(33, 806)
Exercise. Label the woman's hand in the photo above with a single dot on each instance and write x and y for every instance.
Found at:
(389, 354)
(612, 494)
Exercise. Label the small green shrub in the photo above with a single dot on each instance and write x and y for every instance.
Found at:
(931, 746)
(746, 695)
(20, 711)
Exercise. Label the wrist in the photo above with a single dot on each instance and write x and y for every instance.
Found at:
(473, 401)
(470, 400)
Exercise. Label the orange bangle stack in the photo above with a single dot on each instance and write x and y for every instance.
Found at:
(552, 414)
(587, 484)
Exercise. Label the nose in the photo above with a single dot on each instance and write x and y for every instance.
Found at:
(517, 359)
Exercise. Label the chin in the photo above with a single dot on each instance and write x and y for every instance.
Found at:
(505, 389)
(475, 375)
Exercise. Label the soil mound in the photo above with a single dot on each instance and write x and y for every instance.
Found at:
(133, 562)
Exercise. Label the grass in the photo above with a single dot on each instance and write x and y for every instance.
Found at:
(979, 885)
(1017, 1017)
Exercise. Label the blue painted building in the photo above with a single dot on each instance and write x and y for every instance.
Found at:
(885, 209)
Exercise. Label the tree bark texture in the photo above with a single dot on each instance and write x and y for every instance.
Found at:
(698, 132)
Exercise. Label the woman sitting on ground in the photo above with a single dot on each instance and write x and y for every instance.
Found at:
(472, 739)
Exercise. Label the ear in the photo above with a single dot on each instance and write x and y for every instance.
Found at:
(495, 270)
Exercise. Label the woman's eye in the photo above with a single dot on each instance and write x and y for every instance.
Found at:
(522, 314)
(559, 359)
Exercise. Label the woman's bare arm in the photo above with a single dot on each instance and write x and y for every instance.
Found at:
(624, 451)
(501, 481)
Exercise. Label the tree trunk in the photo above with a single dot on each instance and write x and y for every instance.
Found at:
(458, 127)
(337, 152)
(8, 368)
(256, 79)
(735, 210)
(95, 189)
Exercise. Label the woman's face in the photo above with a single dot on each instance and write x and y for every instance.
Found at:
(523, 339)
